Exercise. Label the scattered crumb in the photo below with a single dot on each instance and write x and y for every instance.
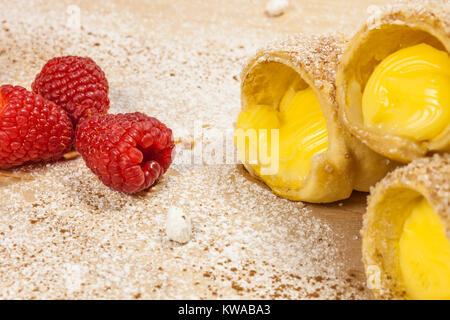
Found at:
(275, 8)
(178, 225)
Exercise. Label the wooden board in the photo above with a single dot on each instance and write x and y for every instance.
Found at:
(228, 33)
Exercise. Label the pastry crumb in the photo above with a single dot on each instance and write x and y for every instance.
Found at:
(178, 225)
(275, 8)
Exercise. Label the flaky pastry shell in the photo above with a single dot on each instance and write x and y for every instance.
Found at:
(348, 164)
(390, 29)
(385, 217)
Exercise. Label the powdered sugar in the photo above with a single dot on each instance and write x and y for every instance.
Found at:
(63, 234)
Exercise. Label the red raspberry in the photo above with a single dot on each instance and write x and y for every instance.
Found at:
(128, 152)
(76, 84)
(32, 129)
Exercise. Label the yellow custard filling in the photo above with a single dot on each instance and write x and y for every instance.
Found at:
(300, 133)
(424, 254)
(408, 94)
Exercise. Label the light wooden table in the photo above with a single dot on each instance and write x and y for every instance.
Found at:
(227, 33)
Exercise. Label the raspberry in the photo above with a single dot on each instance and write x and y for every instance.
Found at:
(32, 129)
(128, 152)
(76, 84)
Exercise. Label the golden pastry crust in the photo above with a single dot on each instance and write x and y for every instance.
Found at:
(427, 177)
(392, 28)
(348, 164)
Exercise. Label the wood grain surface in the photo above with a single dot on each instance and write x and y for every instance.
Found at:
(225, 26)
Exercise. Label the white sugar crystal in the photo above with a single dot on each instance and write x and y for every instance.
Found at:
(178, 225)
(276, 8)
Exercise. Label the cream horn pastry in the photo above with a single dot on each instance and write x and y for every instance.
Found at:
(393, 83)
(288, 133)
(406, 233)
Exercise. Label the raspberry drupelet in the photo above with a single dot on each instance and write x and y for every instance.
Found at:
(76, 84)
(32, 129)
(128, 152)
